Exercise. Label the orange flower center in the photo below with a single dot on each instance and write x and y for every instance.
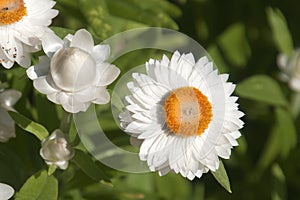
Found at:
(188, 111)
(11, 11)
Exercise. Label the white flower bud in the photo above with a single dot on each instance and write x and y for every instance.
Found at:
(67, 67)
(56, 150)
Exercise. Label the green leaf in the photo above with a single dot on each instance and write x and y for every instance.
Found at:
(287, 129)
(261, 88)
(40, 186)
(282, 139)
(221, 176)
(89, 167)
(281, 33)
(180, 190)
(30, 126)
(216, 56)
(235, 45)
(278, 183)
(271, 149)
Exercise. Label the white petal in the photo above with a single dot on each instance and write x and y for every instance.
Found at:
(102, 96)
(83, 40)
(43, 86)
(6, 191)
(107, 73)
(101, 52)
(41, 69)
(51, 43)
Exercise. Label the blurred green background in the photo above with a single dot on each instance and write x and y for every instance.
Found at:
(243, 37)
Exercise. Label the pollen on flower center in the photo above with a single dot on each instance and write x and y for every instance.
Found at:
(188, 111)
(11, 11)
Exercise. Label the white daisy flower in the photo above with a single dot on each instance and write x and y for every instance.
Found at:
(56, 150)
(22, 26)
(74, 72)
(6, 191)
(7, 125)
(183, 113)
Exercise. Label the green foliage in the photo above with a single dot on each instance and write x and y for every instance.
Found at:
(234, 44)
(30, 126)
(40, 186)
(261, 88)
(221, 176)
(281, 33)
(240, 37)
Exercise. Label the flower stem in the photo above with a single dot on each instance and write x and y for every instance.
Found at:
(295, 104)
(66, 121)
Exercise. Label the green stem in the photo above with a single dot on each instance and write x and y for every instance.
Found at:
(295, 104)
(66, 121)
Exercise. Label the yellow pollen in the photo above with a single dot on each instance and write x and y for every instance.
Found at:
(188, 111)
(11, 11)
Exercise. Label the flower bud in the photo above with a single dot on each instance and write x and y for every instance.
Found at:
(56, 150)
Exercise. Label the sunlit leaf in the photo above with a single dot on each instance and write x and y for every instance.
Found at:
(40, 186)
(30, 126)
(221, 176)
(261, 88)
(281, 33)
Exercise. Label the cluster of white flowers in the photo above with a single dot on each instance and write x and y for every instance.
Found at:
(174, 109)
(73, 73)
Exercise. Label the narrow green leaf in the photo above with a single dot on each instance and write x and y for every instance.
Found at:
(261, 88)
(30, 126)
(278, 183)
(87, 165)
(287, 129)
(40, 186)
(221, 176)
(281, 33)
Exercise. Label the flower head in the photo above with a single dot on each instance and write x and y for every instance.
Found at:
(56, 150)
(22, 26)
(75, 73)
(290, 67)
(184, 115)
(6, 191)
(7, 126)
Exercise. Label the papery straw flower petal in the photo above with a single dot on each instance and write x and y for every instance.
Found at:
(74, 73)
(183, 114)
(23, 24)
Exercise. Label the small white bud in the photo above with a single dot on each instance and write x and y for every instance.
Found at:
(56, 150)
